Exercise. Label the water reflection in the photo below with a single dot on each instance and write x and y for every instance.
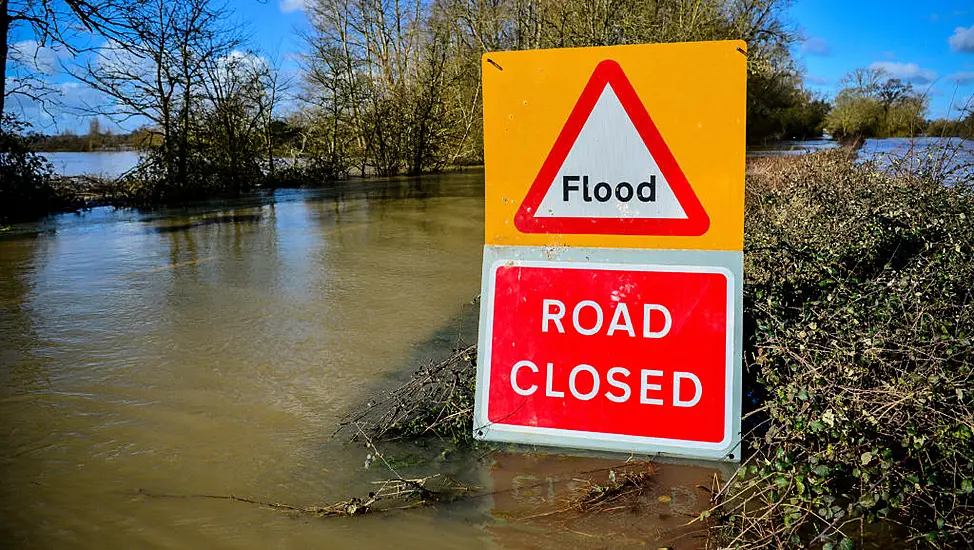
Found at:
(211, 349)
(110, 164)
(539, 495)
(228, 219)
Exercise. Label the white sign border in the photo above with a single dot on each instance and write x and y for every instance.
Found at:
(727, 263)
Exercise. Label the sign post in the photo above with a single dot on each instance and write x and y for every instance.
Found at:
(612, 284)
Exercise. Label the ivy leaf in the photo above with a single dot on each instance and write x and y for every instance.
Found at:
(868, 501)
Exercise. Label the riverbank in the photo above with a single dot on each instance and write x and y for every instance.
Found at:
(858, 354)
(81, 192)
(86, 180)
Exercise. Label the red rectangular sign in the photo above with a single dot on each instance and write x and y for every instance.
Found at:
(623, 350)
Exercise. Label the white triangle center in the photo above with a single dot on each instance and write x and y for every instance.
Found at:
(609, 172)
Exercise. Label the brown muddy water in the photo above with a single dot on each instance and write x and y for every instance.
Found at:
(214, 349)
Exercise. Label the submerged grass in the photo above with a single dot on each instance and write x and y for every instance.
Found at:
(620, 492)
(437, 400)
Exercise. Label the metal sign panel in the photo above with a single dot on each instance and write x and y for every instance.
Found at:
(623, 146)
(612, 284)
(625, 350)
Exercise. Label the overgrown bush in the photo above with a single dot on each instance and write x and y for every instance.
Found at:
(208, 171)
(963, 127)
(26, 178)
(859, 299)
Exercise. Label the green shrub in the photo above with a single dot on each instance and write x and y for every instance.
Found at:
(26, 178)
(860, 116)
(859, 302)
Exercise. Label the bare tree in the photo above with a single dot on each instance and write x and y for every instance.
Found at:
(52, 23)
(866, 81)
(892, 92)
(269, 93)
(233, 111)
(156, 70)
(374, 51)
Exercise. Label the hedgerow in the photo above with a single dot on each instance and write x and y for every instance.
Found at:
(26, 178)
(859, 328)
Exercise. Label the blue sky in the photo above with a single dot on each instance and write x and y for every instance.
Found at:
(930, 44)
(276, 25)
(273, 28)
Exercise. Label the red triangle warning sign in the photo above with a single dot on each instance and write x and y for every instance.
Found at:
(610, 172)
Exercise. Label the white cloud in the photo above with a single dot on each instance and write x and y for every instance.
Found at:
(234, 68)
(35, 58)
(962, 40)
(288, 6)
(816, 46)
(963, 77)
(910, 72)
(238, 58)
(112, 58)
(67, 107)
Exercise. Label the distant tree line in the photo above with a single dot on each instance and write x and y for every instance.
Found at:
(961, 127)
(874, 104)
(95, 140)
(388, 86)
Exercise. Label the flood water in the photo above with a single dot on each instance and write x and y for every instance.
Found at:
(214, 349)
(104, 164)
(943, 154)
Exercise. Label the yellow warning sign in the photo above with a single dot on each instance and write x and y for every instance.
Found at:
(619, 147)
